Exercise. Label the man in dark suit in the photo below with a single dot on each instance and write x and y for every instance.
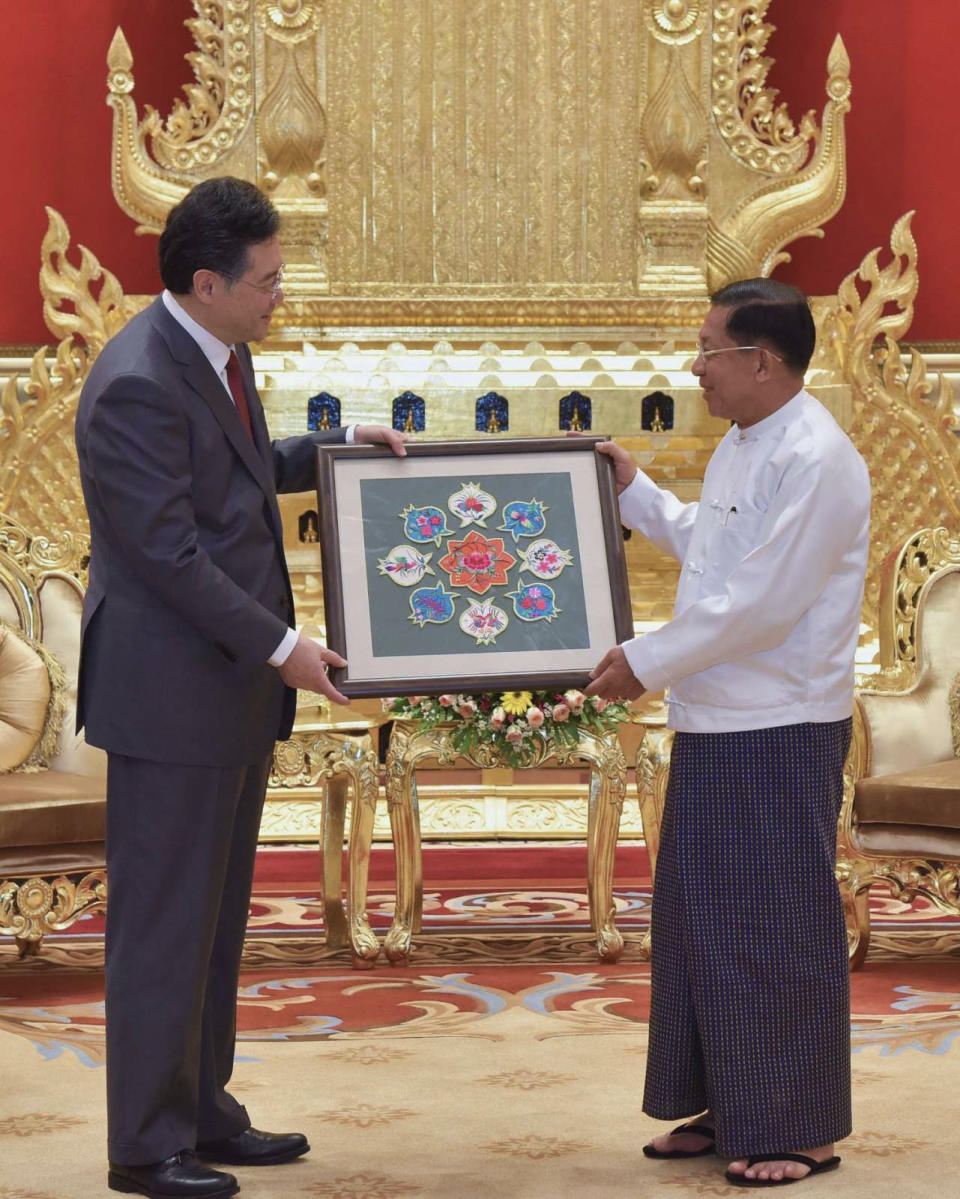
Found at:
(188, 673)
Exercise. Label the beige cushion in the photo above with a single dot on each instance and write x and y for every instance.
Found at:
(61, 605)
(928, 795)
(911, 728)
(25, 691)
(50, 808)
(909, 841)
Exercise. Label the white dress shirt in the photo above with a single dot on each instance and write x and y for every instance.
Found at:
(217, 354)
(767, 612)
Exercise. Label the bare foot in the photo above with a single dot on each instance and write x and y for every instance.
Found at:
(684, 1142)
(781, 1169)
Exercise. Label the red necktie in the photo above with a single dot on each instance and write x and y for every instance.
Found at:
(235, 380)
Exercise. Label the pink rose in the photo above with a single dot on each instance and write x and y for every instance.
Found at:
(498, 718)
(534, 717)
(514, 734)
(575, 700)
(447, 701)
(599, 703)
(467, 709)
(560, 712)
(413, 700)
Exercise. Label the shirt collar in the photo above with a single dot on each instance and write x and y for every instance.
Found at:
(214, 350)
(783, 415)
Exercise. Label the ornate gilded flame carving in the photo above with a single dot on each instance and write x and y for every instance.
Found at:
(674, 131)
(400, 184)
(757, 131)
(292, 130)
(903, 423)
(749, 240)
(200, 132)
(39, 478)
(143, 190)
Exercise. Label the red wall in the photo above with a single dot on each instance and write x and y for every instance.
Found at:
(55, 135)
(901, 149)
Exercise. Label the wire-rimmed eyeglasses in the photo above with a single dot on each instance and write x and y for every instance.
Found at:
(706, 355)
(268, 289)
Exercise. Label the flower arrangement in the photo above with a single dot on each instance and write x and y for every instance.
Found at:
(512, 721)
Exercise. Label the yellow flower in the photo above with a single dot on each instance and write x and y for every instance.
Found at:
(516, 702)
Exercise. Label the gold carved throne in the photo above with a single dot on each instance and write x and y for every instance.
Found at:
(900, 824)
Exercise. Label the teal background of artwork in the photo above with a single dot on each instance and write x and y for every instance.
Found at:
(392, 632)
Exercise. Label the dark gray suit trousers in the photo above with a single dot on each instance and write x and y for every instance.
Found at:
(181, 843)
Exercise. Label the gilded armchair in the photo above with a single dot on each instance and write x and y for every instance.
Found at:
(900, 823)
(52, 784)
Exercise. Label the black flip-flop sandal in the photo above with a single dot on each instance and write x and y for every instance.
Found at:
(741, 1180)
(700, 1130)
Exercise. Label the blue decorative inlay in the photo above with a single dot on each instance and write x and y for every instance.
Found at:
(409, 413)
(576, 412)
(656, 413)
(493, 413)
(323, 412)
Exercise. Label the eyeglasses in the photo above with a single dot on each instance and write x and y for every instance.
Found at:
(268, 289)
(708, 354)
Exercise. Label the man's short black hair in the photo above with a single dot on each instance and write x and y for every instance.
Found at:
(211, 229)
(765, 312)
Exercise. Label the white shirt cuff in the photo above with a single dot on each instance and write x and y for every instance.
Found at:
(284, 649)
(352, 434)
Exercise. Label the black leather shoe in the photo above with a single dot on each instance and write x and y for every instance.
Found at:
(179, 1176)
(254, 1148)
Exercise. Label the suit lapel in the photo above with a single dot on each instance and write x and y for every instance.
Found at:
(201, 377)
(261, 435)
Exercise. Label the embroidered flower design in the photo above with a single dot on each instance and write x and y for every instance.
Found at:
(432, 605)
(524, 518)
(472, 504)
(545, 558)
(425, 524)
(477, 562)
(485, 621)
(534, 601)
(405, 565)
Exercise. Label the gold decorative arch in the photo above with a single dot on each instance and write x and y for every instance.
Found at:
(583, 162)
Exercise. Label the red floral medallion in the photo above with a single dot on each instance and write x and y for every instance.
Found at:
(477, 563)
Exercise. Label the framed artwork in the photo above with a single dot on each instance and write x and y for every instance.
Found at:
(469, 565)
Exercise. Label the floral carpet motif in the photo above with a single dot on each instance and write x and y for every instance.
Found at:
(491, 946)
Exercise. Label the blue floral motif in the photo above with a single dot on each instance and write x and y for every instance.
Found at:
(534, 601)
(432, 605)
(425, 524)
(523, 518)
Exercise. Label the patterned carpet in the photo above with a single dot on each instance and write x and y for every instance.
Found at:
(505, 1060)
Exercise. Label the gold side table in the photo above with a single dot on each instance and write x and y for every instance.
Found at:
(410, 748)
(342, 762)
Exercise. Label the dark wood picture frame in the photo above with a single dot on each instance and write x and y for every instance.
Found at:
(344, 619)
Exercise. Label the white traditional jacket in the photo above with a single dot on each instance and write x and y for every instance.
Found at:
(767, 611)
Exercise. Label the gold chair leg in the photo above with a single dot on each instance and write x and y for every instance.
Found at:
(603, 824)
(332, 817)
(401, 787)
(856, 909)
(363, 940)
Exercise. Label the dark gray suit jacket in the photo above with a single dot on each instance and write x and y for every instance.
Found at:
(189, 593)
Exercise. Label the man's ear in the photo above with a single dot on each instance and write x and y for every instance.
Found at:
(204, 285)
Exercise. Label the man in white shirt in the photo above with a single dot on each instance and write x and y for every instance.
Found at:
(189, 665)
(749, 1024)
